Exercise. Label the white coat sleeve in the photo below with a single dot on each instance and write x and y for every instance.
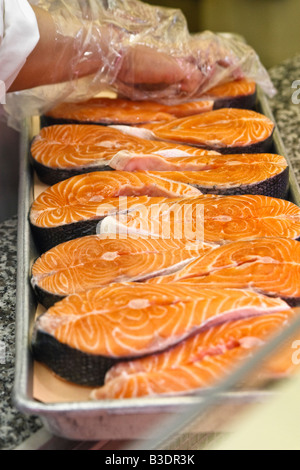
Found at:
(19, 34)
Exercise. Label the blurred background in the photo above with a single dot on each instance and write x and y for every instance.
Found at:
(271, 27)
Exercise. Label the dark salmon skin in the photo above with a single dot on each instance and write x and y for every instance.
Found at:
(236, 94)
(261, 174)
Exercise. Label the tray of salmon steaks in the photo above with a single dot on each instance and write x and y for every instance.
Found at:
(157, 252)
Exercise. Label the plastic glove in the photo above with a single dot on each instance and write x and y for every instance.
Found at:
(134, 49)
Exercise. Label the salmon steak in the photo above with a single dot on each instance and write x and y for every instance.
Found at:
(95, 261)
(85, 334)
(213, 219)
(74, 207)
(199, 362)
(269, 266)
(62, 151)
(123, 111)
(226, 130)
(235, 94)
(181, 380)
(264, 174)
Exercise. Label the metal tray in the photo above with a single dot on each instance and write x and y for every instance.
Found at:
(111, 419)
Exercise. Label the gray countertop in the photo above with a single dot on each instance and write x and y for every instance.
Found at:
(16, 428)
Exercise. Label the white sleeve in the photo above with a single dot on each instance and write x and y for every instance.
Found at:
(19, 34)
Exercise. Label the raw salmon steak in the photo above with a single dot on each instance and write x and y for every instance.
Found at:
(62, 151)
(96, 261)
(213, 219)
(265, 174)
(269, 266)
(226, 130)
(182, 380)
(122, 111)
(85, 334)
(73, 207)
(236, 94)
(198, 362)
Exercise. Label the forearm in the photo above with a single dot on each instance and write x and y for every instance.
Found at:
(59, 58)
(56, 59)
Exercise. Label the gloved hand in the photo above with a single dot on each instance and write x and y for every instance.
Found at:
(129, 47)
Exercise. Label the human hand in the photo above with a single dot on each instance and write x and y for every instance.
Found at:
(147, 69)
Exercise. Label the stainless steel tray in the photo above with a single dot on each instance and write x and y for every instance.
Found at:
(104, 420)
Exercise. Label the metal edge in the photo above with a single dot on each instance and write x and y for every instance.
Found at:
(22, 393)
(23, 307)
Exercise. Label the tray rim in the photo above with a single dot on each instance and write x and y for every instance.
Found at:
(26, 305)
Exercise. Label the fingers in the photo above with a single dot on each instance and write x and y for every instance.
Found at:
(193, 79)
(144, 65)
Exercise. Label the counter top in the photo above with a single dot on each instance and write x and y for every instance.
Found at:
(16, 428)
(286, 113)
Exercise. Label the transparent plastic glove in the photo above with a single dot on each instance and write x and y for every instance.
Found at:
(225, 57)
(134, 49)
